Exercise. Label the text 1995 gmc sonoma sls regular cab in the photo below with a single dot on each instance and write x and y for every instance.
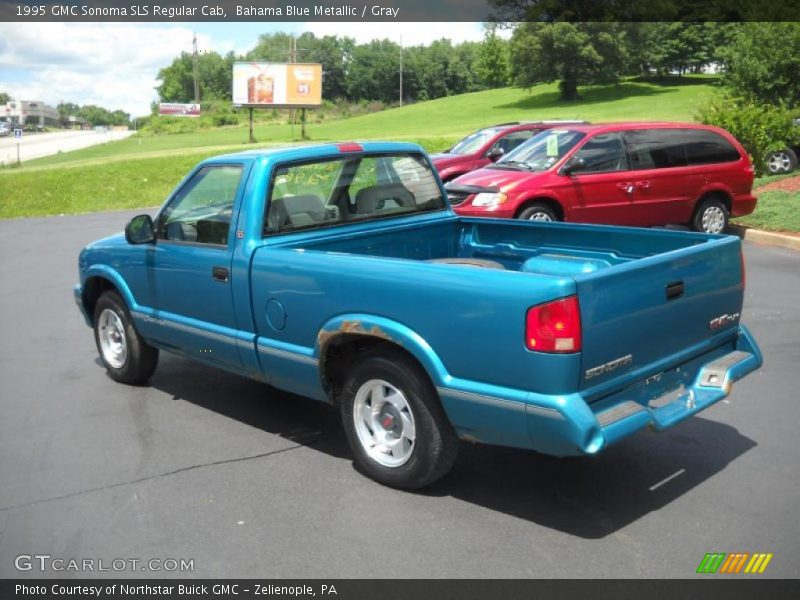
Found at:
(339, 272)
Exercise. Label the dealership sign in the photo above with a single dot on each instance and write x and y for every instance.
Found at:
(173, 109)
(277, 84)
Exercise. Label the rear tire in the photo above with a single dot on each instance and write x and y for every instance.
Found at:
(395, 425)
(782, 161)
(711, 216)
(125, 355)
(538, 212)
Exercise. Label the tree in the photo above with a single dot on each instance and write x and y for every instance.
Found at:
(214, 77)
(4, 97)
(762, 64)
(572, 53)
(493, 59)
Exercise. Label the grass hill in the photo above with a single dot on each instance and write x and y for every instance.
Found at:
(140, 171)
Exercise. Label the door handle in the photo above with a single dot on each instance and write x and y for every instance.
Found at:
(220, 274)
(626, 187)
(645, 185)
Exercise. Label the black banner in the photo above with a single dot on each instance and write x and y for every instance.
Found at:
(399, 10)
(403, 589)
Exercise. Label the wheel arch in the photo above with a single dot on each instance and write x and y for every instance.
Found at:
(547, 200)
(720, 193)
(343, 338)
(99, 280)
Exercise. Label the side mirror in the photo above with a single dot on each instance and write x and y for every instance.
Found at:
(139, 230)
(576, 164)
(495, 153)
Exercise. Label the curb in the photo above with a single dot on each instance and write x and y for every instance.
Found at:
(766, 237)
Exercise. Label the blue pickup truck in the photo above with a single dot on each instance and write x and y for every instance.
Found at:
(339, 272)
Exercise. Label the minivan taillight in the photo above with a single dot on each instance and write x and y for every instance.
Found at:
(554, 326)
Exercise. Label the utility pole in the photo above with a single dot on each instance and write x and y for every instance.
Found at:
(401, 70)
(194, 60)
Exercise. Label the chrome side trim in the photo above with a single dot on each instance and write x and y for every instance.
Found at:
(480, 398)
(288, 355)
(166, 322)
(542, 411)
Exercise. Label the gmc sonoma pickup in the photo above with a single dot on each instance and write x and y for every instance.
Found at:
(339, 272)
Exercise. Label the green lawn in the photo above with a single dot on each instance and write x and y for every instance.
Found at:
(140, 171)
(444, 118)
(776, 210)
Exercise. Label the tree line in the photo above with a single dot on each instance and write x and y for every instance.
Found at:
(573, 54)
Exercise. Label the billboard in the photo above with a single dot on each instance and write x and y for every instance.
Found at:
(174, 109)
(277, 84)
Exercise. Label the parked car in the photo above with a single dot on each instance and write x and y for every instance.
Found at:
(340, 273)
(5, 130)
(485, 146)
(641, 174)
(783, 160)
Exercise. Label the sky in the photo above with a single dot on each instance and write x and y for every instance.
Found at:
(114, 65)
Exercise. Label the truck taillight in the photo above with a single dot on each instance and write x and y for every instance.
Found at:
(554, 326)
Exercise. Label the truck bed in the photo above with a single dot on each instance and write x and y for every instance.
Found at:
(549, 249)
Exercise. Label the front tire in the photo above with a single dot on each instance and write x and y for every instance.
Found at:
(125, 355)
(393, 420)
(538, 212)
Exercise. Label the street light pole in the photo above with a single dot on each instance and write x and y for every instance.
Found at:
(401, 70)
(194, 61)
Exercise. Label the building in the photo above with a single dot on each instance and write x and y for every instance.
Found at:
(31, 113)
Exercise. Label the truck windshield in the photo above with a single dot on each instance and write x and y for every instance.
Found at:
(473, 142)
(540, 152)
(354, 188)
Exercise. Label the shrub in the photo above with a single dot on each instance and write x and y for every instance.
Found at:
(761, 129)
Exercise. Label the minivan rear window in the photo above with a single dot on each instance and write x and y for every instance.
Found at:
(705, 147)
(666, 148)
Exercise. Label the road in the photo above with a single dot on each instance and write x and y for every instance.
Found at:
(37, 145)
(247, 481)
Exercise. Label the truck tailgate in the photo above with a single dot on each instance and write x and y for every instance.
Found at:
(642, 313)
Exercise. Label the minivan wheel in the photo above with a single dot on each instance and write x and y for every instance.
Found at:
(711, 216)
(782, 161)
(394, 423)
(125, 355)
(538, 212)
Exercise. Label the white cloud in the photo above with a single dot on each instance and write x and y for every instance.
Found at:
(109, 64)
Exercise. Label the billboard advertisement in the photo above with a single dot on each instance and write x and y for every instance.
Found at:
(175, 109)
(277, 84)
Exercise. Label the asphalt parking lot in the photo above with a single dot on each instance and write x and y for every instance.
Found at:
(250, 482)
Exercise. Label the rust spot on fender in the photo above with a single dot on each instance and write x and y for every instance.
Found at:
(352, 327)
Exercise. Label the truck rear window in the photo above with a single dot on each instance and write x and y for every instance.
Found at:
(354, 188)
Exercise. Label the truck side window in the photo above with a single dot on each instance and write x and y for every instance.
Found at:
(201, 210)
(603, 153)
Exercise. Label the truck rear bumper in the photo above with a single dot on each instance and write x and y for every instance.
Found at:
(567, 425)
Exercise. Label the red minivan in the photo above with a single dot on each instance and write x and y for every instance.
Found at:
(640, 174)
